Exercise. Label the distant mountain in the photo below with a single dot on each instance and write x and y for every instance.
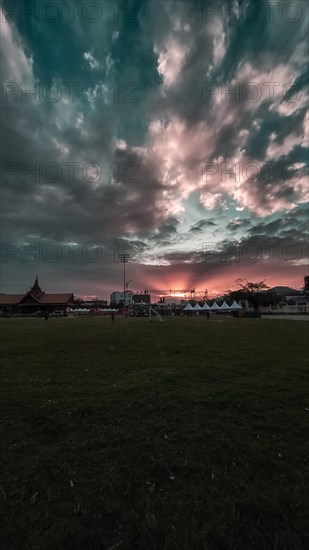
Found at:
(284, 290)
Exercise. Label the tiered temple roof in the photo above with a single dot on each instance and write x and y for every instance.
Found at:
(38, 296)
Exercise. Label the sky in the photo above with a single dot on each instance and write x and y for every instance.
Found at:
(173, 131)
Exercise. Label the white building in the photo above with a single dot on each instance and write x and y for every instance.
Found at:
(117, 297)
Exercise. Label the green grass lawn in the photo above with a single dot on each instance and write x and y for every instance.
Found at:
(189, 434)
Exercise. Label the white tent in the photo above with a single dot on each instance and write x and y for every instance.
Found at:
(215, 306)
(235, 306)
(225, 307)
(205, 307)
(197, 307)
(188, 307)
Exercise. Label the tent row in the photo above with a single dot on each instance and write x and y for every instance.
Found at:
(224, 307)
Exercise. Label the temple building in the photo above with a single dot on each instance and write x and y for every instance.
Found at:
(35, 301)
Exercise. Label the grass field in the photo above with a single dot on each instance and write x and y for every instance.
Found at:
(189, 434)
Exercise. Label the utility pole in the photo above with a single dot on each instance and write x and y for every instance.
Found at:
(124, 258)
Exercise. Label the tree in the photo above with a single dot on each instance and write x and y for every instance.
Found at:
(250, 291)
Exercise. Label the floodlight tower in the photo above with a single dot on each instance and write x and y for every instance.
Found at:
(124, 258)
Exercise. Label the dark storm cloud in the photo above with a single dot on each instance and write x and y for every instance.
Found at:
(200, 226)
(82, 210)
(151, 65)
(271, 121)
(167, 230)
(246, 58)
(262, 246)
(296, 222)
(238, 224)
(261, 34)
(178, 257)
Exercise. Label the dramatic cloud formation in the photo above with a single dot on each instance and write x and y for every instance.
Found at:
(175, 130)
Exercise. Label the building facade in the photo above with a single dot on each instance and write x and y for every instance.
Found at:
(117, 297)
(141, 298)
(35, 301)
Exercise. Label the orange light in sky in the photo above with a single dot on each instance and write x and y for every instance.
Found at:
(174, 294)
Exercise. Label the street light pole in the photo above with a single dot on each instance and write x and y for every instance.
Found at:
(124, 258)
